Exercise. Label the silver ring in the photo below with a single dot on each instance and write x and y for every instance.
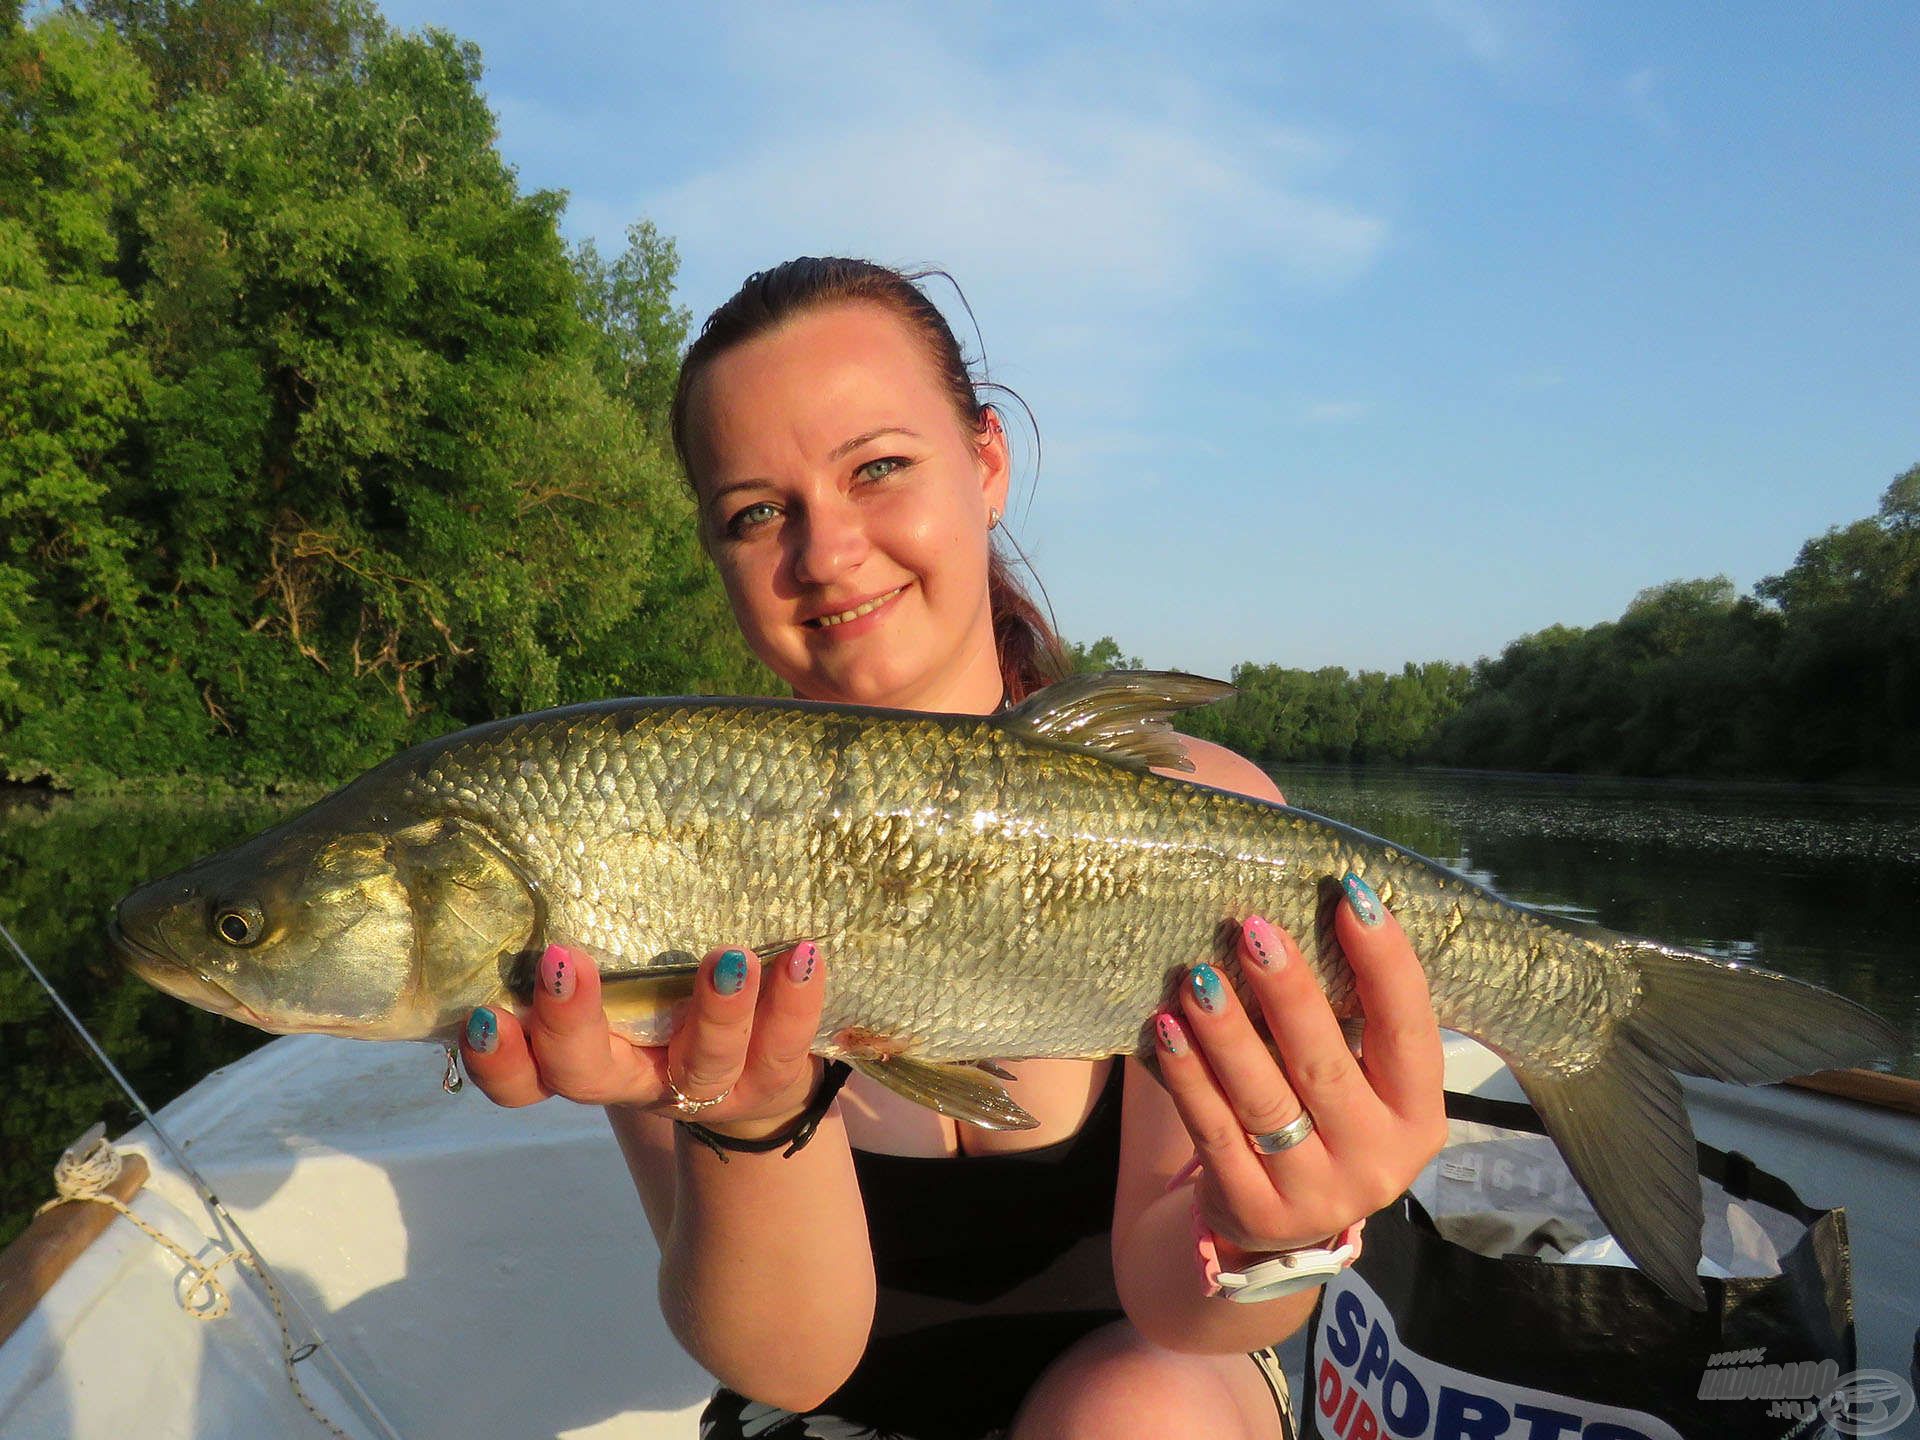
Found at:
(1286, 1137)
(689, 1106)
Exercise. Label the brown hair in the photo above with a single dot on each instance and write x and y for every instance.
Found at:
(1031, 654)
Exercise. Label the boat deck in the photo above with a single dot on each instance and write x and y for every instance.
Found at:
(481, 1271)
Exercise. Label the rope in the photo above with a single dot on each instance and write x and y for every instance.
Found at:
(246, 1255)
(85, 1175)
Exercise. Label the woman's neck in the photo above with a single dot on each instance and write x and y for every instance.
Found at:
(974, 687)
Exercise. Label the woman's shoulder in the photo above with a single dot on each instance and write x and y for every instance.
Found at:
(1225, 769)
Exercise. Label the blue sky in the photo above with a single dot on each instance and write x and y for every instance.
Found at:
(1356, 333)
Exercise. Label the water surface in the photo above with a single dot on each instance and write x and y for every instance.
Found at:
(1819, 882)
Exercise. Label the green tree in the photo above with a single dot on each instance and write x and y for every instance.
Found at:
(628, 303)
(1103, 654)
(319, 439)
(189, 45)
(72, 377)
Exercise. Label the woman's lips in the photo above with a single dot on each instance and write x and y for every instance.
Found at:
(853, 614)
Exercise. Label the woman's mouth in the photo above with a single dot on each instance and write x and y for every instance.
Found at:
(844, 617)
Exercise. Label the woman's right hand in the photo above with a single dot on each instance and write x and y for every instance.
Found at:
(744, 1033)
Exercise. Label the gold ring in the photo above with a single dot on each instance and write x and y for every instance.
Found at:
(689, 1106)
(1285, 1138)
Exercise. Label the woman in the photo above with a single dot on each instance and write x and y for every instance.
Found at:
(848, 481)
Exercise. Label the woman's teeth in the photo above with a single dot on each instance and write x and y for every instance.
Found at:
(854, 614)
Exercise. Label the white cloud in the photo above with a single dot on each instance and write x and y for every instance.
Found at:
(1480, 28)
(1537, 380)
(1333, 412)
(1063, 182)
(1644, 102)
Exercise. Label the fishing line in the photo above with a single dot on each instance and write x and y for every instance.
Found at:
(276, 1292)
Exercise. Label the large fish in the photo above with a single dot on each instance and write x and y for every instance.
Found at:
(986, 888)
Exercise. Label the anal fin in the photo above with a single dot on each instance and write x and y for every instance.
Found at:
(959, 1091)
(1622, 1125)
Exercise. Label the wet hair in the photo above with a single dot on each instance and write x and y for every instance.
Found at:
(1031, 653)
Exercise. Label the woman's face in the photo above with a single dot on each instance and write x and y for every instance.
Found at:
(846, 504)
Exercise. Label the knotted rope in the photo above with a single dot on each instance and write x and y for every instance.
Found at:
(84, 1172)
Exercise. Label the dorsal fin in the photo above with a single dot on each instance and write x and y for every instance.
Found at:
(1120, 715)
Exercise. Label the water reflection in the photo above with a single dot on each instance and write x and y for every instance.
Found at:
(63, 864)
(1817, 882)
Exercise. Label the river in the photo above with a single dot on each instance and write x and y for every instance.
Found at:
(1820, 882)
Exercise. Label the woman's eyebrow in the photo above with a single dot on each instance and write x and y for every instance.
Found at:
(847, 447)
(720, 492)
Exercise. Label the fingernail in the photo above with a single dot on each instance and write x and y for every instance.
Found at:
(556, 973)
(800, 963)
(730, 972)
(483, 1031)
(1366, 904)
(1172, 1038)
(1206, 989)
(1265, 944)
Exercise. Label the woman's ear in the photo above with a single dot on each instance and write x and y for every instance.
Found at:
(996, 466)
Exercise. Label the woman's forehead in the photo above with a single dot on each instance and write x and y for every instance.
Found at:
(811, 384)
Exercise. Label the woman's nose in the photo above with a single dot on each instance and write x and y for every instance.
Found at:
(832, 543)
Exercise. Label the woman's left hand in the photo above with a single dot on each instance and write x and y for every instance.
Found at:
(1376, 1120)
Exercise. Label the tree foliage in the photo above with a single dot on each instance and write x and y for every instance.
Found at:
(1330, 714)
(315, 439)
(1816, 675)
(1103, 654)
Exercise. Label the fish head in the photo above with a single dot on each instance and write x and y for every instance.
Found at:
(381, 931)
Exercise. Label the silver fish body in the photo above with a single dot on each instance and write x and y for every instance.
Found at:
(983, 888)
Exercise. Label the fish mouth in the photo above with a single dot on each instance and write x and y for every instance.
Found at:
(178, 979)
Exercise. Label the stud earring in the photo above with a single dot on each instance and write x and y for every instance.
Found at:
(993, 517)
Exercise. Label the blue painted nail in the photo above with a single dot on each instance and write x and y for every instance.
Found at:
(1366, 904)
(1207, 990)
(730, 973)
(483, 1031)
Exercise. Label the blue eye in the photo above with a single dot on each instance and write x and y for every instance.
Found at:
(880, 469)
(752, 515)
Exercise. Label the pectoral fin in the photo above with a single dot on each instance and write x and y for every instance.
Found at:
(958, 1091)
(640, 1003)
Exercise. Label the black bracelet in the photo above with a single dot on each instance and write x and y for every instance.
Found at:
(794, 1137)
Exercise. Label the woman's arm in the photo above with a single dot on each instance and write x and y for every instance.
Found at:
(766, 1275)
(1377, 1121)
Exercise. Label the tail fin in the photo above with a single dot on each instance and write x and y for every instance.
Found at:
(1621, 1122)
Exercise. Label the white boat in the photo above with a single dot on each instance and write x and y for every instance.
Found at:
(485, 1272)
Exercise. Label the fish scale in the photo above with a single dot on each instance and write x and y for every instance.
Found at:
(983, 888)
(1028, 872)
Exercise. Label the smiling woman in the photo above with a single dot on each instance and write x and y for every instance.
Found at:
(878, 387)
(853, 538)
(845, 1251)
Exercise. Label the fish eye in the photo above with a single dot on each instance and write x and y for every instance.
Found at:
(239, 924)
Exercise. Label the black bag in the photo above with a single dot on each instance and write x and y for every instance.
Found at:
(1426, 1338)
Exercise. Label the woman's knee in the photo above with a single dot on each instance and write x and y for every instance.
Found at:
(1116, 1383)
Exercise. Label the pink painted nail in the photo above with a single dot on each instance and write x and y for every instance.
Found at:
(1265, 944)
(556, 973)
(1172, 1038)
(800, 963)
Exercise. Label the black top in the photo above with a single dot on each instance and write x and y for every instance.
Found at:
(988, 1266)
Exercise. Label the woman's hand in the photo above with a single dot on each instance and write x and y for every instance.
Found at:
(1376, 1120)
(744, 1034)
